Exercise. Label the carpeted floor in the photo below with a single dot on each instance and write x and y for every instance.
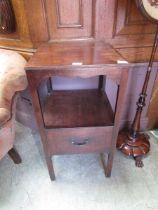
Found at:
(80, 182)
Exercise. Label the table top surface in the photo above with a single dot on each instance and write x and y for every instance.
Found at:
(74, 54)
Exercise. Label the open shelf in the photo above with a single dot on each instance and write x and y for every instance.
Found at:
(77, 108)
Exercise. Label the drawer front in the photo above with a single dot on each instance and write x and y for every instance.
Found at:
(79, 140)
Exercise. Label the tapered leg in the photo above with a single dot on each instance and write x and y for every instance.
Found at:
(15, 156)
(50, 167)
(107, 165)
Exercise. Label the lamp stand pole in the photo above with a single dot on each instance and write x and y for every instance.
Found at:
(132, 142)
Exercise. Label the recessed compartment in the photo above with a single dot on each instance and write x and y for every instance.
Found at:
(77, 108)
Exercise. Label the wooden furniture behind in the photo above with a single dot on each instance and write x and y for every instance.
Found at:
(77, 121)
(7, 19)
(117, 22)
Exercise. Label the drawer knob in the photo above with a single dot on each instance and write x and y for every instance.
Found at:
(77, 143)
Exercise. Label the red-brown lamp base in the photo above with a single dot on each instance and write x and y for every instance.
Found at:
(135, 147)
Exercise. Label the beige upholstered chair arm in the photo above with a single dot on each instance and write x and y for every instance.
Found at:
(4, 116)
(12, 80)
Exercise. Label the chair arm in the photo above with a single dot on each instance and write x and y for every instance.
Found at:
(12, 79)
(4, 116)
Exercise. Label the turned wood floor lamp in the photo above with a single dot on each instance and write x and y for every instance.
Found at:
(132, 142)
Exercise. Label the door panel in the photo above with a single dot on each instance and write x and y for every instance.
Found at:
(131, 29)
(69, 19)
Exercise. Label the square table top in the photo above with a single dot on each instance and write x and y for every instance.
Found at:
(74, 54)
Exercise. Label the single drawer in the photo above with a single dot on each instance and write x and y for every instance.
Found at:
(79, 140)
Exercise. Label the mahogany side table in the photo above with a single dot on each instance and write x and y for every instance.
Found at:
(77, 121)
